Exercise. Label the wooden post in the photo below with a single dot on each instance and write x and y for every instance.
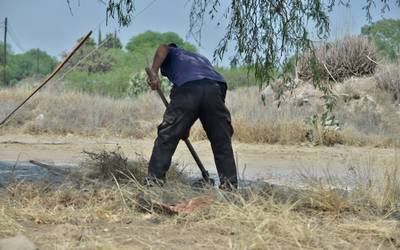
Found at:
(37, 62)
(5, 52)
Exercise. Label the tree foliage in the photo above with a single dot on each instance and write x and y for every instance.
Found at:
(263, 33)
(33, 62)
(150, 40)
(386, 36)
(124, 76)
(91, 60)
(112, 42)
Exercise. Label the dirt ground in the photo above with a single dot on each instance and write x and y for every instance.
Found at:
(273, 163)
(280, 164)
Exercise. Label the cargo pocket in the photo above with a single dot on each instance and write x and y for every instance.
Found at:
(230, 127)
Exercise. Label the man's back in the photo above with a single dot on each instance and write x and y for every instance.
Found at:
(182, 66)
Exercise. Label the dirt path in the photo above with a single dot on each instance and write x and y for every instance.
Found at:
(273, 163)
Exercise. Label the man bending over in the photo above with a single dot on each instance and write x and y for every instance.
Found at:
(198, 92)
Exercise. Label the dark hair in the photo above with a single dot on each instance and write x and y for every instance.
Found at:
(172, 45)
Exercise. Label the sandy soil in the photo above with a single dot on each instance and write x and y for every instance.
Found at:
(272, 163)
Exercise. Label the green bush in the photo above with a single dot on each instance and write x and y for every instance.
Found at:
(34, 62)
(385, 34)
(138, 84)
(114, 84)
(237, 77)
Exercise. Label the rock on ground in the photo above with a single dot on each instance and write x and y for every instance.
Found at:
(19, 242)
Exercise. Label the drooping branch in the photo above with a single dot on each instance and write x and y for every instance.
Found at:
(122, 10)
(263, 33)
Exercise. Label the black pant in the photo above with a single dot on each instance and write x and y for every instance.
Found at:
(204, 99)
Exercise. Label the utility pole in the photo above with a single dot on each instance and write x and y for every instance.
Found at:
(37, 61)
(115, 39)
(5, 52)
(99, 38)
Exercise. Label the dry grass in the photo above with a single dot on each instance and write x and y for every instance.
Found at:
(388, 79)
(322, 215)
(114, 165)
(345, 58)
(66, 112)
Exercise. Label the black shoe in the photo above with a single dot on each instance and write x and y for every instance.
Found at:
(227, 186)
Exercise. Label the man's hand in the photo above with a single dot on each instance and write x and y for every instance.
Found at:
(153, 79)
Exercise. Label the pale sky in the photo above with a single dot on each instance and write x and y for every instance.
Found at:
(49, 25)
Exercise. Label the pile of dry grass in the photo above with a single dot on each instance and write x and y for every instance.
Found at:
(345, 58)
(109, 165)
(113, 166)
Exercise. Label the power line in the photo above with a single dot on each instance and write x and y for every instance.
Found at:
(145, 8)
(15, 34)
(15, 40)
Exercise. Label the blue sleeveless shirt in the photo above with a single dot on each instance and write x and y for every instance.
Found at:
(181, 66)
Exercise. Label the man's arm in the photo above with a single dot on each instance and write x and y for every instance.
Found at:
(159, 57)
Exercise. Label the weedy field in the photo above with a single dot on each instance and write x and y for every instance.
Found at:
(101, 209)
(367, 114)
(97, 207)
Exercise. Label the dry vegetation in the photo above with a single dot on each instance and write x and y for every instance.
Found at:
(365, 110)
(388, 79)
(105, 215)
(345, 58)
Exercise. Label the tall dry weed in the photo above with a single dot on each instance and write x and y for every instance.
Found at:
(254, 120)
(388, 79)
(345, 58)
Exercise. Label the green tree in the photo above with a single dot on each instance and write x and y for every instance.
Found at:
(386, 36)
(8, 54)
(112, 42)
(124, 76)
(150, 40)
(90, 42)
(34, 62)
(91, 60)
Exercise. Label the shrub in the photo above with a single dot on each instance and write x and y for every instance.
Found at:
(138, 84)
(350, 56)
(237, 77)
(388, 79)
